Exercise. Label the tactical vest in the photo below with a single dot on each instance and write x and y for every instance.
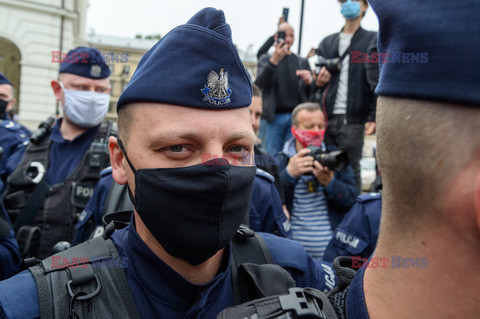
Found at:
(84, 289)
(60, 204)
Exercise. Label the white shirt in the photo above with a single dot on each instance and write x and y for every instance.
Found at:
(340, 106)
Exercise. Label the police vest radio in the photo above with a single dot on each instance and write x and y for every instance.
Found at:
(97, 156)
(43, 130)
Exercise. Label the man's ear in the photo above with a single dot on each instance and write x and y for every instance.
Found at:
(57, 89)
(10, 104)
(116, 159)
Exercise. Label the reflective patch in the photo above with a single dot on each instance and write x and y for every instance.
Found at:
(82, 216)
(329, 277)
(347, 239)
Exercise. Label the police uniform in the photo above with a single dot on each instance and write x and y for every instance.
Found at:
(4, 116)
(266, 210)
(171, 296)
(13, 140)
(9, 254)
(358, 232)
(91, 216)
(209, 192)
(61, 173)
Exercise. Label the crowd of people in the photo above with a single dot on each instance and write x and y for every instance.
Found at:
(215, 195)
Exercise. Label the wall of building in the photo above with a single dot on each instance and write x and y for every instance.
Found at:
(34, 27)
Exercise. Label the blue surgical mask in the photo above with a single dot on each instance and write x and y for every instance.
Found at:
(350, 9)
(85, 109)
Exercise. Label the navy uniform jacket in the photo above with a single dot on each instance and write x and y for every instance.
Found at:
(94, 210)
(160, 292)
(265, 213)
(266, 210)
(358, 232)
(9, 254)
(13, 140)
(65, 155)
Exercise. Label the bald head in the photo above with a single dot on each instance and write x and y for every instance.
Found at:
(289, 33)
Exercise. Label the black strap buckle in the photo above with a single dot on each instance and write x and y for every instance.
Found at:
(244, 231)
(85, 296)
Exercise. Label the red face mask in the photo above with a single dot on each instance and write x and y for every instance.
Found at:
(308, 138)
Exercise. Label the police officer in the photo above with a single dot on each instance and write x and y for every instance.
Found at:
(13, 136)
(187, 97)
(7, 101)
(9, 254)
(58, 172)
(358, 231)
(425, 264)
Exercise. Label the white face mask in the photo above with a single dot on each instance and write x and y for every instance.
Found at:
(85, 109)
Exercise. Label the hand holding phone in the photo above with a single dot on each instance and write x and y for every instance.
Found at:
(281, 36)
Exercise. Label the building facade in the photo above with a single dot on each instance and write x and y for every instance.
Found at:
(34, 32)
(29, 32)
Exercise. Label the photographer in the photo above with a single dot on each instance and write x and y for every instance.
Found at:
(345, 85)
(316, 196)
(285, 80)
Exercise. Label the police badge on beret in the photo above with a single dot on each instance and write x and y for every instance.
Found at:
(95, 70)
(217, 92)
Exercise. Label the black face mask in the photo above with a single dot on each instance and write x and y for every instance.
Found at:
(3, 108)
(193, 211)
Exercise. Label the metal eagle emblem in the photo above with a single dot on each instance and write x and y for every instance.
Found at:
(217, 92)
(96, 71)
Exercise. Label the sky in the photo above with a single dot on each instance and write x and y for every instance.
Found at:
(252, 21)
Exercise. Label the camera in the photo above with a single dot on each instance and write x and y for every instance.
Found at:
(335, 161)
(333, 65)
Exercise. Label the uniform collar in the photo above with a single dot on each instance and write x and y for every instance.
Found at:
(165, 284)
(57, 137)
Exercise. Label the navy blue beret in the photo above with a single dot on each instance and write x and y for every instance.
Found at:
(85, 61)
(195, 65)
(4, 79)
(433, 49)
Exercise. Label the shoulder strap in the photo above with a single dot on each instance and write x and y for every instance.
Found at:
(34, 201)
(40, 190)
(76, 282)
(253, 273)
(353, 42)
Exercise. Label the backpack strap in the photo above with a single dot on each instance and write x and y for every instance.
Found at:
(86, 281)
(253, 273)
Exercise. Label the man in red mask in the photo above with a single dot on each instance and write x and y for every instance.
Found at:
(317, 196)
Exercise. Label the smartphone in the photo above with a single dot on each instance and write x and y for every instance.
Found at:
(285, 14)
(281, 36)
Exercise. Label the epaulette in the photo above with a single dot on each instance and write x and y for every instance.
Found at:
(10, 125)
(264, 174)
(368, 197)
(106, 171)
